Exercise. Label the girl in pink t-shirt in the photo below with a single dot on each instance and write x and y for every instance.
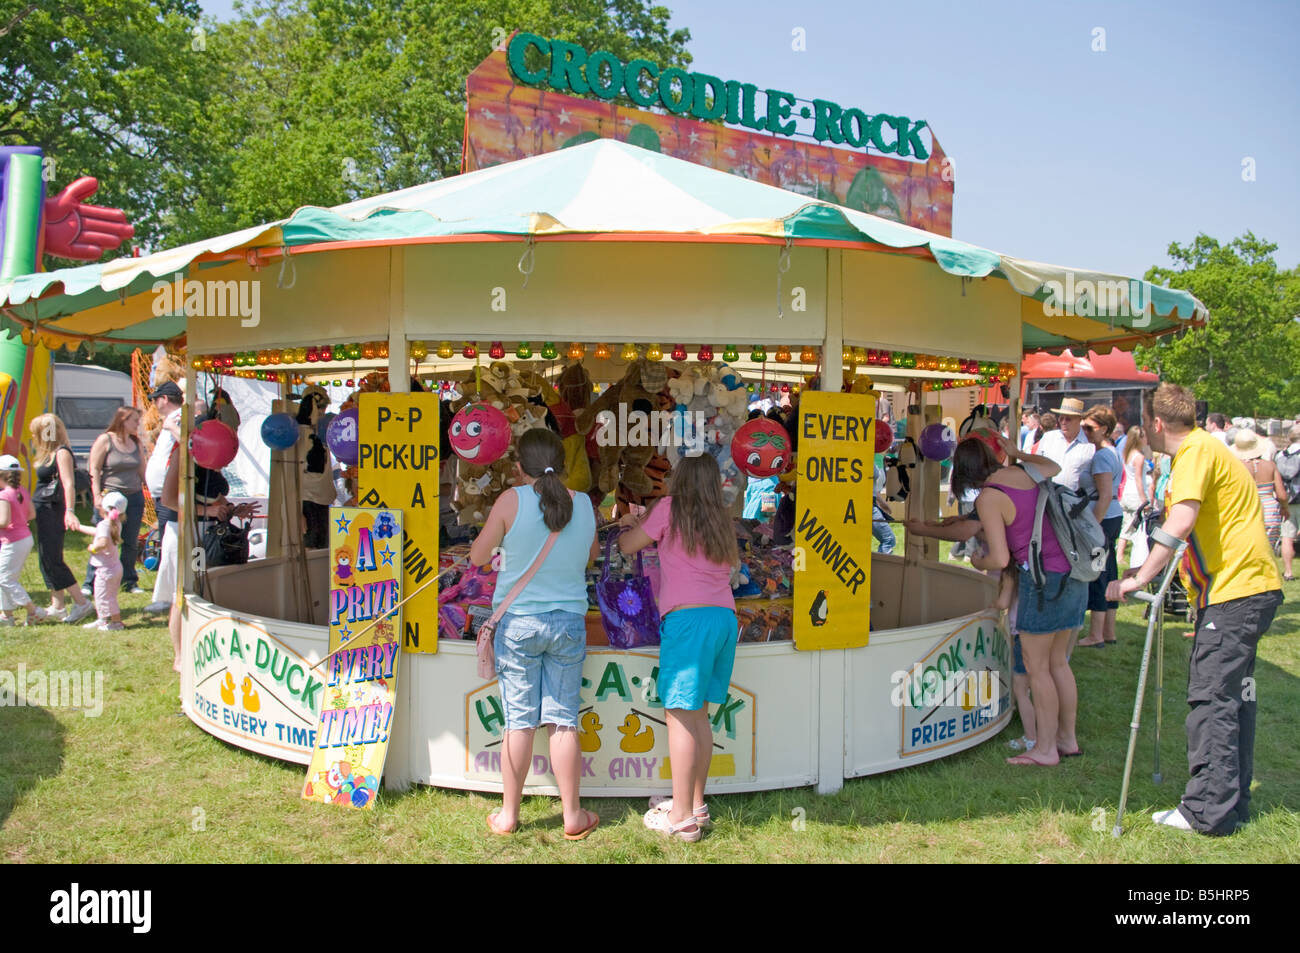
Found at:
(697, 553)
(16, 511)
(108, 565)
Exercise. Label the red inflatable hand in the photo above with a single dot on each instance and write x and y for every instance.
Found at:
(83, 232)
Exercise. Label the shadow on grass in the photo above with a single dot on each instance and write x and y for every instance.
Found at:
(31, 748)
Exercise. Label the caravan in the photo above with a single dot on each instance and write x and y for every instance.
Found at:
(85, 397)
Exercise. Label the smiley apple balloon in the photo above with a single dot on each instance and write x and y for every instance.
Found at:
(761, 447)
(479, 434)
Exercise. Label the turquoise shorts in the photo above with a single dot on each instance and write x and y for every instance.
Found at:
(697, 650)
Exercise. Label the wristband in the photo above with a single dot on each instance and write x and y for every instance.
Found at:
(1158, 535)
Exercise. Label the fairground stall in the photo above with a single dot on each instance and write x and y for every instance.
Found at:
(602, 264)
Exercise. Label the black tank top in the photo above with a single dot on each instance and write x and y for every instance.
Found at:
(49, 472)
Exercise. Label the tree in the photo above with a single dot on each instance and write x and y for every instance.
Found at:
(331, 100)
(109, 88)
(1246, 360)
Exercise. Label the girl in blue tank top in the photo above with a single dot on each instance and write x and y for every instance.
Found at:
(541, 640)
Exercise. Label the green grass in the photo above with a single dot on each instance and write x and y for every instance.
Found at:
(143, 784)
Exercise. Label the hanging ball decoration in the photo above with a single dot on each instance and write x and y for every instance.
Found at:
(213, 444)
(341, 436)
(263, 358)
(523, 351)
(679, 352)
(197, 363)
(629, 352)
(313, 355)
(761, 447)
(354, 352)
(418, 350)
(497, 351)
(846, 355)
(808, 356)
(577, 351)
(280, 431)
(479, 434)
(783, 355)
(445, 350)
(654, 353)
(368, 350)
(860, 355)
(326, 352)
(758, 355)
(884, 436)
(785, 388)
(469, 351)
(706, 353)
(937, 442)
(730, 354)
(602, 352)
(381, 349)
(549, 351)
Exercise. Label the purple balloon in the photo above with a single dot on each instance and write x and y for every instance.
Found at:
(938, 442)
(342, 434)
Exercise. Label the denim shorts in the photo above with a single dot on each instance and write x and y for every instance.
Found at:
(697, 650)
(1017, 658)
(1059, 612)
(539, 663)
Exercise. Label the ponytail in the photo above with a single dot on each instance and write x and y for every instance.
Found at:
(541, 456)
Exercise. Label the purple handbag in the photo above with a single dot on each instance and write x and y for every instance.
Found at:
(628, 610)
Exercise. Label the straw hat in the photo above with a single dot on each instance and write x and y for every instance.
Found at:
(1246, 445)
(1070, 406)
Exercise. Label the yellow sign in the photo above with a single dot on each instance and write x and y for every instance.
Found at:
(397, 467)
(356, 712)
(832, 527)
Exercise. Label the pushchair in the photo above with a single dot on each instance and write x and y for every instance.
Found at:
(1176, 602)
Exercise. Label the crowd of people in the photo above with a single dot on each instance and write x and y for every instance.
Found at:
(1227, 490)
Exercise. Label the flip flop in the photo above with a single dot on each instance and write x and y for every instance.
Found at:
(1091, 645)
(580, 835)
(1070, 754)
(1023, 760)
(492, 828)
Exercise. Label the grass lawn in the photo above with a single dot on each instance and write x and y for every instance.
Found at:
(141, 783)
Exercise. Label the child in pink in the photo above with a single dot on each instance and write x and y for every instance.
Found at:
(108, 565)
(16, 511)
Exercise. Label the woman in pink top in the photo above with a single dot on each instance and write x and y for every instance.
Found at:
(697, 553)
(1047, 615)
(16, 511)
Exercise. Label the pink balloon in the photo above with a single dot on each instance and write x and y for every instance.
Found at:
(213, 444)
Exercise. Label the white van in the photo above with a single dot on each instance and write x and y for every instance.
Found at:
(84, 398)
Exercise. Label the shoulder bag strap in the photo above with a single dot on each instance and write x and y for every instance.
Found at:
(523, 581)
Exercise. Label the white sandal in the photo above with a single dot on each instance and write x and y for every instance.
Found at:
(657, 820)
(664, 803)
(1021, 744)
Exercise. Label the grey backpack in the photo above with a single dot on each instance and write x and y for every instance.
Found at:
(1288, 465)
(1075, 525)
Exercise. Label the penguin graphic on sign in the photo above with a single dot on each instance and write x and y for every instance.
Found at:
(819, 608)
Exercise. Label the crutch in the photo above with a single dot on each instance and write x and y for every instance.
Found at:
(1156, 601)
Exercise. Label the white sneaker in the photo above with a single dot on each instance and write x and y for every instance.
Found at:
(1171, 818)
(93, 624)
(111, 626)
(77, 613)
(159, 607)
(85, 591)
(36, 614)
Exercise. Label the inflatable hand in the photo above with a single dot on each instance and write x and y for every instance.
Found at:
(83, 232)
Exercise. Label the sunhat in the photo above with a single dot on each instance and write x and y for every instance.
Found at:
(113, 500)
(1070, 406)
(10, 462)
(1246, 445)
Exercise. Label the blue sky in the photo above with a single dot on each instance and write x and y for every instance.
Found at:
(1095, 159)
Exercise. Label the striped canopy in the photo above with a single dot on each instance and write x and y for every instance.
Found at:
(602, 188)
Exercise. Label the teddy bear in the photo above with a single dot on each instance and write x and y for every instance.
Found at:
(619, 463)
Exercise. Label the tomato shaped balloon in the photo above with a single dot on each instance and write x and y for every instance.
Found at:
(479, 434)
(761, 447)
(884, 436)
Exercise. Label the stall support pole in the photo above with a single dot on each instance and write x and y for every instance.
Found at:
(397, 767)
(831, 737)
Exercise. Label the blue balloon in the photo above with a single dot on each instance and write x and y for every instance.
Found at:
(341, 436)
(323, 425)
(280, 431)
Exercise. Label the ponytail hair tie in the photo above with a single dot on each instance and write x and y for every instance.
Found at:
(115, 515)
(548, 470)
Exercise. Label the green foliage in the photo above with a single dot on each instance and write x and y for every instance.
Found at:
(109, 88)
(331, 100)
(1246, 360)
(196, 130)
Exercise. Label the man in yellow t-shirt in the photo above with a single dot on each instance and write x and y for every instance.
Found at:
(1212, 503)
